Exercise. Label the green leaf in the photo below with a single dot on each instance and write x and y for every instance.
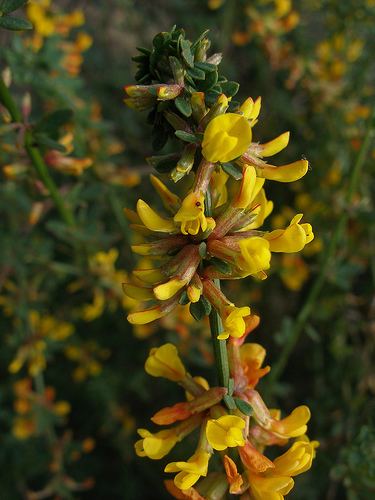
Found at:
(43, 140)
(209, 82)
(200, 309)
(232, 170)
(221, 266)
(197, 74)
(184, 299)
(15, 23)
(7, 6)
(183, 105)
(163, 163)
(197, 310)
(187, 56)
(206, 67)
(229, 402)
(199, 39)
(243, 406)
(206, 304)
(185, 136)
(203, 250)
(159, 40)
(177, 70)
(230, 88)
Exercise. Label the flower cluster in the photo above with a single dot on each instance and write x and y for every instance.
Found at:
(209, 232)
(216, 237)
(221, 429)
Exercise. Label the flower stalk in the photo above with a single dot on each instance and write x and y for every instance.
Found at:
(36, 157)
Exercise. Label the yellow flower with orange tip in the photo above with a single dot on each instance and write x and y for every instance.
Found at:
(234, 478)
(233, 321)
(189, 472)
(225, 431)
(292, 239)
(277, 482)
(159, 444)
(252, 357)
(165, 362)
(226, 137)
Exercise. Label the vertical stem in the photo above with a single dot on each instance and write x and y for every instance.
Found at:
(317, 286)
(216, 326)
(219, 346)
(35, 156)
(42, 169)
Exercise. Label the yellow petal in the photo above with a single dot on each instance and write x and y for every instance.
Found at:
(256, 109)
(152, 220)
(146, 316)
(286, 173)
(226, 137)
(247, 107)
(167, 290)
(164, 361)
(276, 145)
(149, 276)
(246, 193)
(137, 292)
(255, 254)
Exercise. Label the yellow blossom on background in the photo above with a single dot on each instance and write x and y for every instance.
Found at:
(233, 321)
(156, 445)
(164, 362)
(292, 239)
(226, 431)
(226, 137)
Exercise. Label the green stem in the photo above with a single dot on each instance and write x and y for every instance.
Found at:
(317, 286)
(219, 346)
(216, 326)
(36, 157)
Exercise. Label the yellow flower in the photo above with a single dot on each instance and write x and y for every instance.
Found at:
(255, 255)
(226, 137)
(251, 109)
(189, 472)
(164, 362)
(145, 316)
(152, 220)
(191, 214)
(226, 431)
(293, 425)
(252, 357)
(233, 321)
(156, 445)
(296, 460)
(267, 488)
(292, 239)
(285, 173)
(277, 481)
